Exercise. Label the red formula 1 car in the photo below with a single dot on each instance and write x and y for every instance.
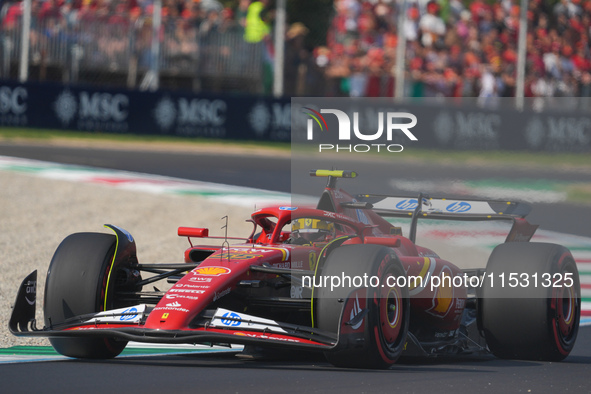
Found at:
(339, 279)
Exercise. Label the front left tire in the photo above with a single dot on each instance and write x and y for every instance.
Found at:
(78, 283)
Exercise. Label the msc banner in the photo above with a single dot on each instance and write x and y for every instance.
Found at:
(439, 125)
(54, 106)
(471, 127)
(376, 125)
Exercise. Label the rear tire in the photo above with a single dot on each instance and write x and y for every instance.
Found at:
(386, 322)
(528, 322)
(76, 285)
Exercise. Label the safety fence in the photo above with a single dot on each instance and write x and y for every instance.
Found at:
(113, 50)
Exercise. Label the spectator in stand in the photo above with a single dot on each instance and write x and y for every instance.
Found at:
(581, 60)
(242, 12)
(552, 62)
(296, 60)
(411, 23)
(431, 25)
(257, 27)
(211, 23)
(566, 8)
(463, 25)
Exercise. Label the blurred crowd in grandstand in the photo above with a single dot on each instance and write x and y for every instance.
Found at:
(199, 40)
(454, 48)
(460, 49)
(186, 19)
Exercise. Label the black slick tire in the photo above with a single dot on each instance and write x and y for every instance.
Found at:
(385, 324)
(76, 285)
(538, 319)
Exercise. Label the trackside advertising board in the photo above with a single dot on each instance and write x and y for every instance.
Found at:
(565, 125)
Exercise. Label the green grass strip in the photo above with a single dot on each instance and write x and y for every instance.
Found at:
(42, 135)
(29, 351)
(49, 351)
(438, 156)
(133, 350)
(539, 184)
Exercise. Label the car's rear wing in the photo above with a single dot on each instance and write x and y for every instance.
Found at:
(445, 208)
(453, 209)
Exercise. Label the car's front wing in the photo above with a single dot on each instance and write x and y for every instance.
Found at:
(122, 324)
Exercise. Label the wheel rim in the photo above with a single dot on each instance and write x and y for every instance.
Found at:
(566, 311)
(391, 315)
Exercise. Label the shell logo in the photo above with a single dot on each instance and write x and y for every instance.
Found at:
(212, 271)
(444, 294)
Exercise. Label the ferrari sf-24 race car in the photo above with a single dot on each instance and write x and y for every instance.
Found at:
(334, 279)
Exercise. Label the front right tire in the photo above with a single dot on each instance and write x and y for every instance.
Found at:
(385, 324)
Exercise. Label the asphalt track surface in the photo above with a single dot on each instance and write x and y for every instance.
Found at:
(227, 373)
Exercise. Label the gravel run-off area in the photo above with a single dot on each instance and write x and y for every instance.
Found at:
(36, 214)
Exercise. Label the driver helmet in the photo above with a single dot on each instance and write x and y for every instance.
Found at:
(313, 230)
